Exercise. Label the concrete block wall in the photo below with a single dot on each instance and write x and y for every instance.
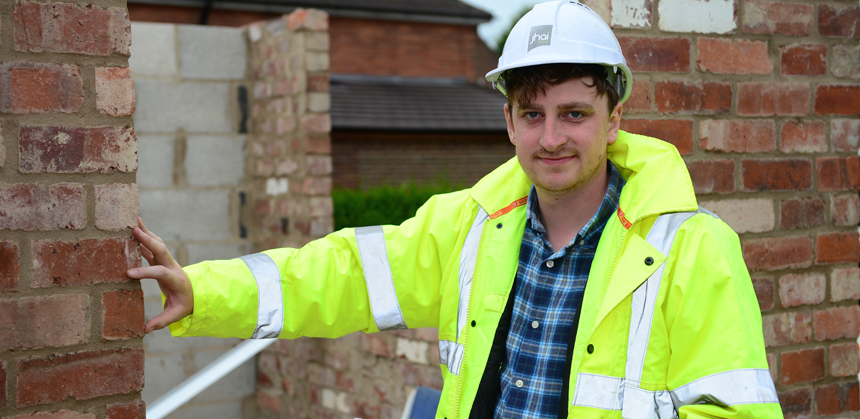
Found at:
(762, 100)
(71, 322)
(192, 165)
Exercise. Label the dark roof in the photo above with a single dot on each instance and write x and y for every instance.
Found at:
(377, 103)
(452, 9)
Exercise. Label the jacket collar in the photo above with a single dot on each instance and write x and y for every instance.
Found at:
(657, 180)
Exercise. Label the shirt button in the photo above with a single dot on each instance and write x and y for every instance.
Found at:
(519, 383)
(550, 264)
(582, 242)
(535, 324)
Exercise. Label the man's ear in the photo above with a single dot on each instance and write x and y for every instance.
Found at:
(614, 124)
(510, 120)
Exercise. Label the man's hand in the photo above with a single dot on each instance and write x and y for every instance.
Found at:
(171, 279)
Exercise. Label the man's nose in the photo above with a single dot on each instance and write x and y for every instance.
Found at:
(553, 135)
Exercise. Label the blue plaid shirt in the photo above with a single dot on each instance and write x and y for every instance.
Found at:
(549, 288)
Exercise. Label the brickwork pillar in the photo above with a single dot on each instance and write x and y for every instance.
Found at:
(70, 322)
(289, 159)
(762, 100)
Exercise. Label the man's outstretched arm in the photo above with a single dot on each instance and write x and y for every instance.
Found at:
(174, 283)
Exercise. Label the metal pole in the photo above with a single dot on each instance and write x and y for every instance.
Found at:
(204, 378)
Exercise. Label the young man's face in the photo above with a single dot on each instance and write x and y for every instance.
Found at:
(561, 137)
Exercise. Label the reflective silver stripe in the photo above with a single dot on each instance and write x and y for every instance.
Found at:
(270, 298)
(638, 403)
(451, 355)
(468, 257)
(646, 404)
(599, 391)
(377, 276)
(729, 388)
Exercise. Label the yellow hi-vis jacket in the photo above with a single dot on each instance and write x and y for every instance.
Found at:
(669, 318)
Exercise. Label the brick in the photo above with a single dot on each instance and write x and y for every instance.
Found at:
(715, 16)
(37, 88)
(677, 132)
(776, 175)
(89, 261)
(772, 366)
(838, 173)
(316, 123)
(9, 268)
(316, 186)
(838, 248)
(707, 98)
(80, 376)
(802, 289)
(268, 401)
(733, 56)
(744, 215)
(803, 137)
(133, 410)
(845, 134)
(114, 91)
(656, 54)
(845, 210)
(640, 98)
(28, 206)
(2, 150)
(827, 400)
(60, 414)
(852, 397)
(76, 150)
(375, 345)
(844, 359)
(737, 136)
(803, 60)
(319, 165)
(318, 206)
(310, 19)
(801, 213)
(837, 100)
(796, 402)
(845, 284)
(837, 323)
(317, 82)
(318, 144)
(772, 17)
(631, 13)
(40, 322)
(766, 99)
(117, 206)
(64, 27)
(764, 292)
(787, 328)
(845, 61)
(712, 176)
(839, 21)
(122, 314)
(802, 366)
(778, 253)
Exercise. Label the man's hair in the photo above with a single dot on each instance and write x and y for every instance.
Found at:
(523, 84)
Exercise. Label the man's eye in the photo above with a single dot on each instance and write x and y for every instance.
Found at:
(532, 115)
(575, 114)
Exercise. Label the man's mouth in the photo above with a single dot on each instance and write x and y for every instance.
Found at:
(553, 160)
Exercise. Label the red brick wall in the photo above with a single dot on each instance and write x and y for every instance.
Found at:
(363, 159)
(410, 49)
(766, 116)
(70, 322)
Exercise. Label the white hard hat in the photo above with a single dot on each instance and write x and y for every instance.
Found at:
(564, 32)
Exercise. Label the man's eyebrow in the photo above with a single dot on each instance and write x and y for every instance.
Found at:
(577, 105)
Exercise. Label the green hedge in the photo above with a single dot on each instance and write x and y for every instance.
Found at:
(382, 204)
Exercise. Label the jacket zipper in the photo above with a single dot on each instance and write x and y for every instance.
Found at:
(466, 328)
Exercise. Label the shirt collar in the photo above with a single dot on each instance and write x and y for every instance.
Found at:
(598, 220)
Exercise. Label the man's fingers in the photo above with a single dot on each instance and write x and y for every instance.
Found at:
(147, 255)
(157, 272)
(160, 254)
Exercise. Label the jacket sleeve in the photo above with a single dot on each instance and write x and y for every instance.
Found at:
(367, 279)
(718, 365)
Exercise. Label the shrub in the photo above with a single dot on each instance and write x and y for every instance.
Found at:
(382, 204)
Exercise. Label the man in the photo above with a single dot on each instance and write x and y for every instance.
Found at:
(578, 280)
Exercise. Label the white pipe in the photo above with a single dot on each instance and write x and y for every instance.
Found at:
(204, 378)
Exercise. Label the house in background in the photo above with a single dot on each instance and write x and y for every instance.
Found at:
(408, 97)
